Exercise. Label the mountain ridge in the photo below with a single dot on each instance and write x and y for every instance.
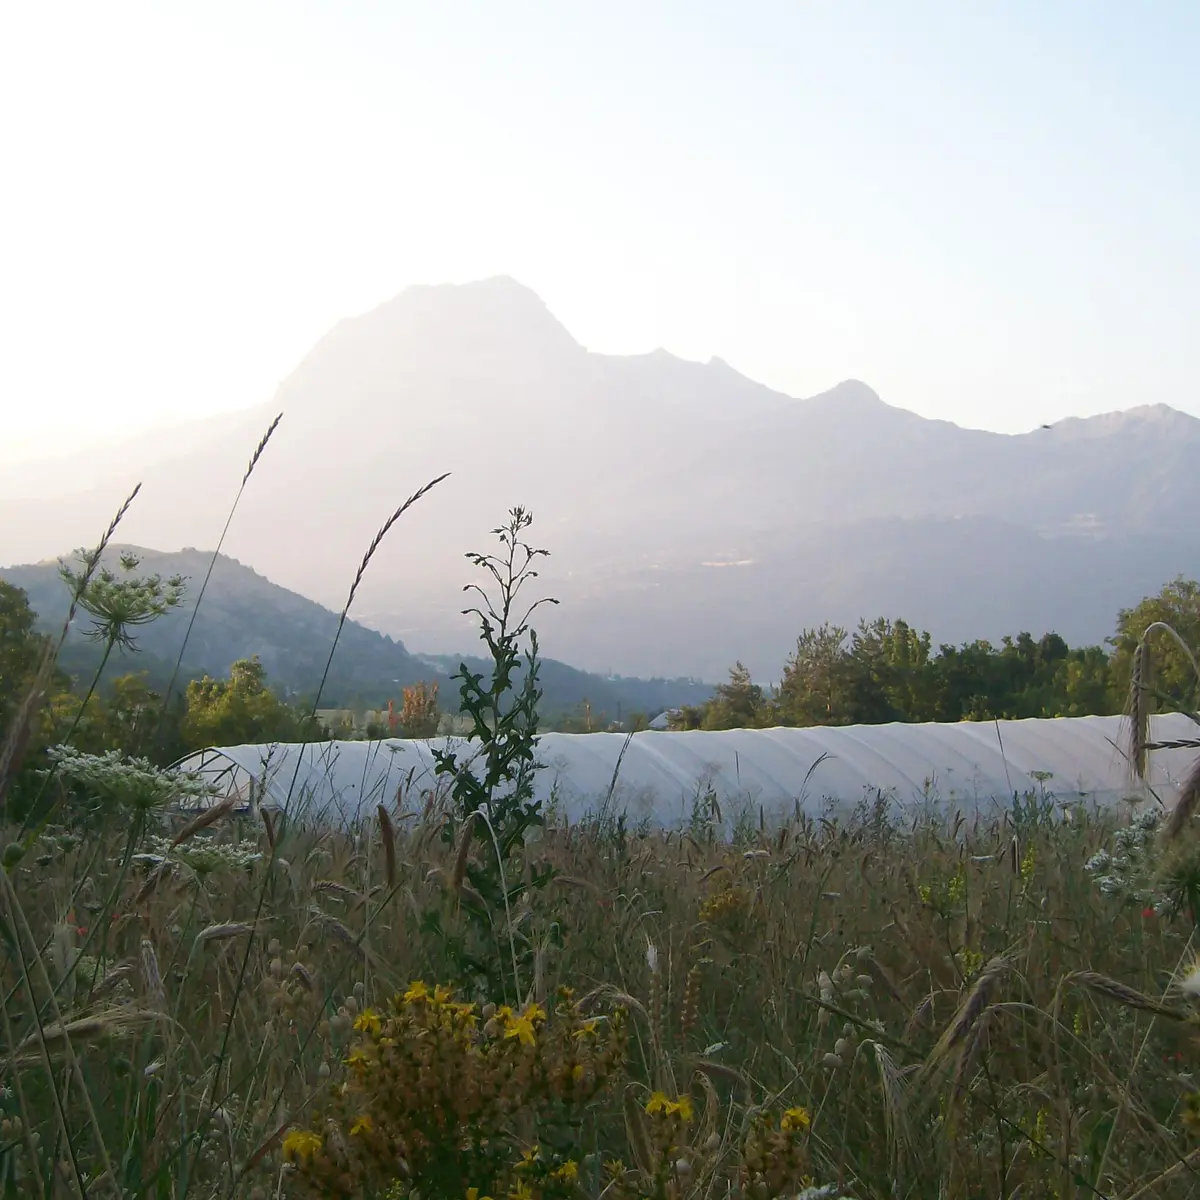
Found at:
(638, 469)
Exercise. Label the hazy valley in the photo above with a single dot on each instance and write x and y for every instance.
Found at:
(693, 516)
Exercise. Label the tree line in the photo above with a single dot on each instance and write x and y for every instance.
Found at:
(887, 670)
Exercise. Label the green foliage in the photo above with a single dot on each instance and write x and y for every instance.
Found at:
(242, 709)
(738, 704)
(817, 687)
(21, 650)
(889, 671)
(1175, 680)
(491, 781)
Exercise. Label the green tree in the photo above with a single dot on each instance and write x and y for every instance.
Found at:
(891, 673)
(738, 704)
(817, 687)
(127, 718)
(1175, 683)
(21, 650)
(242, 710)
(1085, 681)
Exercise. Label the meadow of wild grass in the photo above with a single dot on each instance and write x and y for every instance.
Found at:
(890, 1011)
(461, 998)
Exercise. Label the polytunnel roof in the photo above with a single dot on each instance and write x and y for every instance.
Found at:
(967, 765)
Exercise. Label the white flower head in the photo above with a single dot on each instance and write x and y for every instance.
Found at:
(1190, 983)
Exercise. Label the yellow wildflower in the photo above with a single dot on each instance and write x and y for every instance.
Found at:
(416, 992)
(568, 1172)
(521, 1191)
(659, 1103)
(300, 1143)
(529, 1158)
(534, 1012)
(368, 1021)
(358, 1061)
(522, 1029)
(362, 1124)
(795, 1119)
(587, 1029)
(442, 995)
(1028, 863)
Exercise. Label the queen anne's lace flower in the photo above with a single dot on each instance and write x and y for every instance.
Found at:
(131, 782)
(204, 855)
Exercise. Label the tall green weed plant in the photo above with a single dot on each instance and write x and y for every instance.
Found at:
(491, 779)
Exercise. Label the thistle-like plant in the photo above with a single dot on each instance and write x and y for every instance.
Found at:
(491, 787)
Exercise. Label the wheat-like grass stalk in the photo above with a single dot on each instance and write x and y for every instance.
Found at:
(958, 1033)
(212, 562)
(210, 816)
(1122, 993)
(462, 854)
(1141, 705)
(387, 835)
(1190, 1164)
(895, 1108)
(1186, 804)
(223, 931)
(115, 1021)
(152, 982)
(22, 933)
(213, 1098)
(635, 1128)
(18, 1079)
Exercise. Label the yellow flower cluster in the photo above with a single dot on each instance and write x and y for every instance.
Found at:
(434, 1087)
(775, 1159)
(724, 905)
(676, 1156)
(659, 1104)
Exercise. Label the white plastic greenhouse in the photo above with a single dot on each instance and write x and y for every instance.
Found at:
(971, 766)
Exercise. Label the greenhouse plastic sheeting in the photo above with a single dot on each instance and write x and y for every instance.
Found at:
(970, 766)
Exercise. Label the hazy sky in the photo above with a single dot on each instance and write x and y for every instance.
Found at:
(988, 211)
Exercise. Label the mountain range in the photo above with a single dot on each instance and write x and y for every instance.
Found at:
(694, 517)
(244, 614)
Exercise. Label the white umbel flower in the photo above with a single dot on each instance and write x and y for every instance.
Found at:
(1190, 983)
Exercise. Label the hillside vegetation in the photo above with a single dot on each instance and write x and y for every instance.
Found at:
(245, 616)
